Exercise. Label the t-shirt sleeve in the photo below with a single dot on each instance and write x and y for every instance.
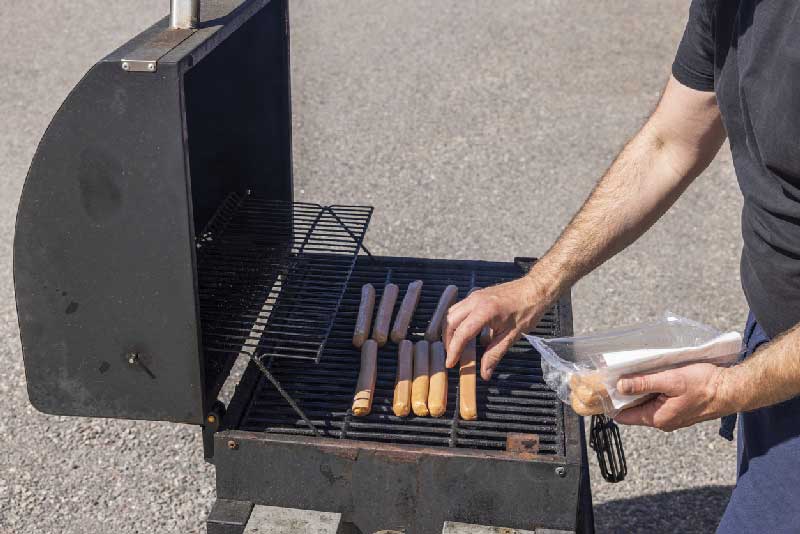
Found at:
(694, 62)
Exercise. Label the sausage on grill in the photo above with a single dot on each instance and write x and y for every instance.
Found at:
(383, 320)
(365, 389)
(467, 405)
(402, 385)
(406, 311)
(419, 389)
(364, 319)
(434, 331)
(437, 394)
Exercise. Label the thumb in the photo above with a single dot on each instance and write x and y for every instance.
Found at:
(666, 382)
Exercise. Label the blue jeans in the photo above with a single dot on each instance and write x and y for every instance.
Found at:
(767, 493)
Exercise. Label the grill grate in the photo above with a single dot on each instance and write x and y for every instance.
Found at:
(515, 400)
(271, 276)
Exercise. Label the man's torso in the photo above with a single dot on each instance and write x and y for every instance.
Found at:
(757, 83)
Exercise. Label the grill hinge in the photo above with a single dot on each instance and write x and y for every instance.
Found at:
(146, 57)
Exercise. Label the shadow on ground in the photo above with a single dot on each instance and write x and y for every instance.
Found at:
(696, 510)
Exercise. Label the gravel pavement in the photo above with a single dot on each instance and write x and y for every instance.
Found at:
(476, 132)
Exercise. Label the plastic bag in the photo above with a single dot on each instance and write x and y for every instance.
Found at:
(584, 370)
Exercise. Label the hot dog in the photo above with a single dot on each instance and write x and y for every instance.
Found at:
(406, 311)
(437, 393)
(365, 388)
(467, 404)
(383, 320)
(402, 385)
(364, 319)
(419, 389)
(434, 331)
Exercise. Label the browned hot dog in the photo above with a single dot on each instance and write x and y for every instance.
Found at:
(402, 385)
(467, 405)
(434, 331)
(419, 389)
(365, 389)
(437, 394)
(406, 311)
(364, 319)
(383, 320)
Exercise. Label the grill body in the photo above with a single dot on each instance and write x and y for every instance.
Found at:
(413, 473)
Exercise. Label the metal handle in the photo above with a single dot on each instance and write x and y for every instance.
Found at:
(184, 14)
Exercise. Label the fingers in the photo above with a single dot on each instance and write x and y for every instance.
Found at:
(495, 352)
(656, 413)
(670, 383)
(469, 328)
(455, 315)
(642, 415)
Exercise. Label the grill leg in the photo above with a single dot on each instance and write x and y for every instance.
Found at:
(584, 522)
(228, 517)
(348, 528)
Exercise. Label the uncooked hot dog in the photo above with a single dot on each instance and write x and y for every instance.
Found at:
(437, 394)
(383, 320)
(434, 331)
(467, 405)
(406, 311)
(419, 389)
(364, 319)
(402, 384)
(365, 389)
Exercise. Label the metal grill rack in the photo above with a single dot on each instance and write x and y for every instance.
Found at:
(271, 276)
(515, 401)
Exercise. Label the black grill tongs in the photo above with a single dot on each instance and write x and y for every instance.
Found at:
(605, 441)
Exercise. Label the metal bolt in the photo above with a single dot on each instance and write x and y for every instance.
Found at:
(561, 471)
(232, 445)
(133, 358)
(125, 66)
(151, 67)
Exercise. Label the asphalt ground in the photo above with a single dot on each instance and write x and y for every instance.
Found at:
(476, 129)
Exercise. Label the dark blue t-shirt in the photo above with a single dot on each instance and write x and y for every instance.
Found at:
(748, 53)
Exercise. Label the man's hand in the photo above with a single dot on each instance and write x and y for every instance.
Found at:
(509, 309)
(687, 395)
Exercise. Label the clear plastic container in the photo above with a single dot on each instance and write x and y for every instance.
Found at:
(584, 370)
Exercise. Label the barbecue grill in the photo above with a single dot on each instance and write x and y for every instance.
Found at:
(158, 242)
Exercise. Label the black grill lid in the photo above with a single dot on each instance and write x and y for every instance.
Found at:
(133, 165)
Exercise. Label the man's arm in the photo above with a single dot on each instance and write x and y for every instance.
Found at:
(678, 141)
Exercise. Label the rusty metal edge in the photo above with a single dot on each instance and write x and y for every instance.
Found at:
(350, 448)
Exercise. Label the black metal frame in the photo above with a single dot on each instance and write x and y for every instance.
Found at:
(271, 277)
(379, 485)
